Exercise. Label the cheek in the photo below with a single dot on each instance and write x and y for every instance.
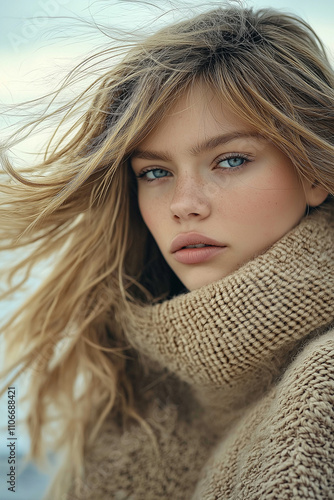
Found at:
(274, 202)
(286, 197)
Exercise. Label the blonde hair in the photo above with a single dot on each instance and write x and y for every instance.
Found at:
(80, 207)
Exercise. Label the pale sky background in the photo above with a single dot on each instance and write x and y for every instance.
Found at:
(38, 38)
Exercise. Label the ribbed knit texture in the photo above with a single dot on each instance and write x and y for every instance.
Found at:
(256, 351)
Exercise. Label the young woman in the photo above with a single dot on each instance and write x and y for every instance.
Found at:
(183, 342)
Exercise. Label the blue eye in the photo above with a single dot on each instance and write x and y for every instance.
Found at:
(159, 172)
(155, 173)
(232, 162)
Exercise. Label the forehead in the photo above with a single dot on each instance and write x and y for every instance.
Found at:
(196, 116)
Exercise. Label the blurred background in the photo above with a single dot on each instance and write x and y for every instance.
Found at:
(40, 41)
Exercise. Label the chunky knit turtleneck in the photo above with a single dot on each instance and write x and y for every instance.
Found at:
(226, 334)
(245, 408)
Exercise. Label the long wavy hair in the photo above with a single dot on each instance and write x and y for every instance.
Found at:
(79, 207)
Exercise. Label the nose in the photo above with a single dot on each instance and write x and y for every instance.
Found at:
(189, 199)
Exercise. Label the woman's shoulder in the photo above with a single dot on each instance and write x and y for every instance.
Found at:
(312, 368)
(307, 387)
(283, 447)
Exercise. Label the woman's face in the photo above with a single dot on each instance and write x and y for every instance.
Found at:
(205, 177)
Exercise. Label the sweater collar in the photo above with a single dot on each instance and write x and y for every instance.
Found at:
(238, 332)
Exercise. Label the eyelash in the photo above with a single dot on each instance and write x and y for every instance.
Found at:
(229, 156)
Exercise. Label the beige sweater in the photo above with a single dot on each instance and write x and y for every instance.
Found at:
(241, 388)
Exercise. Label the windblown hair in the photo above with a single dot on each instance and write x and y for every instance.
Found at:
(79, 204)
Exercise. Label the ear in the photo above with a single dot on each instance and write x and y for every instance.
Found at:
(315, 193)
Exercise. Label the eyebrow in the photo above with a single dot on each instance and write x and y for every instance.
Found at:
(206, 145)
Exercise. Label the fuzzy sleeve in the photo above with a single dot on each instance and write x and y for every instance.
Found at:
(284, 446)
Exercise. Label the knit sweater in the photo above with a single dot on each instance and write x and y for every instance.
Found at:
(241, 387)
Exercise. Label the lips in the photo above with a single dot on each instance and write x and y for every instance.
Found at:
(183, 240)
